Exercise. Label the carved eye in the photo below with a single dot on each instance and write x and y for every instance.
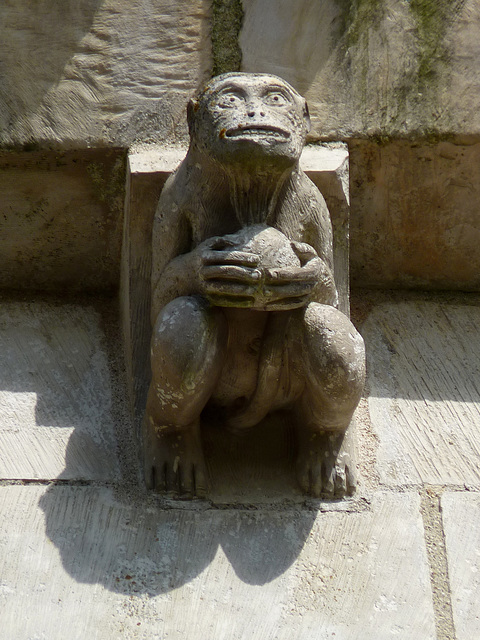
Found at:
(230, 100)
(275, 99)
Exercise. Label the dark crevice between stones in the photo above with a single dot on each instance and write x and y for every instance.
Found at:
(227, 18)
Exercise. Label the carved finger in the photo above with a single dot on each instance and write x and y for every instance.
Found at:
(238, 258)
(171, 479)
(158, 478)
(303, 477)
(219, 243)
(287, 304)
(340, 481)
(304, 251)
(308, 274)
(291, 290)
(186, 480)
(226, 288)
(200, 482)
(329, 476)
(237, 302)
(316, 479)
(230, 272)
(351, 479)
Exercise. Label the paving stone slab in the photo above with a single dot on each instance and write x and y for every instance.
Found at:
(461, 515)
(423, 360)
(55, 394)
(78, 562)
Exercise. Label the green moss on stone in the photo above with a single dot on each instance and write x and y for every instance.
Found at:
(355, 21)
(227, 18)
(357, 17)
(432, 18)
(424, 136)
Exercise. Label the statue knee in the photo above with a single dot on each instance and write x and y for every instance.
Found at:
(188, 337)
(335, 354)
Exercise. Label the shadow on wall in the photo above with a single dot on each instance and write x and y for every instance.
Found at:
(139, 545)
(56, 375)
(38, 40)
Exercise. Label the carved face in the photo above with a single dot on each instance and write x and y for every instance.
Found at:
(243, 117)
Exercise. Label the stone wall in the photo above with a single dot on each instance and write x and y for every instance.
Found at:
(384, 68)
(84, 73)
(61, 219)
(398, 80)
(415, 217)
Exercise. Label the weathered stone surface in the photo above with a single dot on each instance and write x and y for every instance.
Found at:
(415, 219)
(133, 570)
(61, 220)
(56, 398)
(372, 68)
(241, 233)
(116, 71)
(423, 363)
(461, 515)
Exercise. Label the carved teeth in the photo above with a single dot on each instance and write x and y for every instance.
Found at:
(256, 129)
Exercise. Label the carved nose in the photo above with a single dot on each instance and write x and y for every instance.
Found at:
(251, 112)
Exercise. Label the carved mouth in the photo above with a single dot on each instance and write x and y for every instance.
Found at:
(257, 130)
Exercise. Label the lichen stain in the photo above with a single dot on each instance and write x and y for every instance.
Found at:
(432, 19)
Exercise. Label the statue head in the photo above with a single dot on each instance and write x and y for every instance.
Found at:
(249, 118)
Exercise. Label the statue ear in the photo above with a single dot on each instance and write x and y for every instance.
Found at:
(306, 115)
(192, 108)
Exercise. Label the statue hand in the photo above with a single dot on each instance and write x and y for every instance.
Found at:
(293, 287)
(228, 277)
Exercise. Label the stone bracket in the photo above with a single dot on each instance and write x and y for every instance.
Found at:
(326, 165)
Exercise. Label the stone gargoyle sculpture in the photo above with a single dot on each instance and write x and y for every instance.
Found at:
(243, 296)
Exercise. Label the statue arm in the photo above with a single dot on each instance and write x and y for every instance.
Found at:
(307, 223)
(318, 234)
(172, 275)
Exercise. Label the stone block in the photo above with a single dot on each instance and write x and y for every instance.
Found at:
(423, 363)
(61, 220)
(56, 415)
(82, 562)
(383, 68)
(461, 514)
(116, 72)
(415, 220)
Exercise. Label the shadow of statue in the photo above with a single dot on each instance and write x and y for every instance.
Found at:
(64, 395)
(132, 542)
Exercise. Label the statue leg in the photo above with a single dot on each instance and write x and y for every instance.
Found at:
(188, 348)
(334, 364)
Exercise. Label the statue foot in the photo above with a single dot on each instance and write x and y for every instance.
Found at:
(325, 464)
(174, 462)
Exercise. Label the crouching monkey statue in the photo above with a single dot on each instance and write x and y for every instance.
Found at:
(243, 300)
